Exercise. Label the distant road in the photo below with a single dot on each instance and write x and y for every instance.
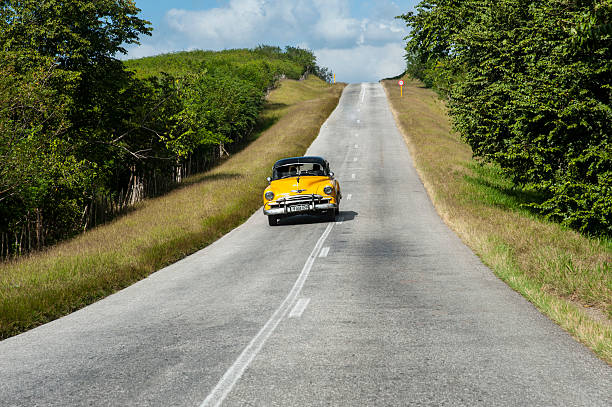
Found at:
(384, 307)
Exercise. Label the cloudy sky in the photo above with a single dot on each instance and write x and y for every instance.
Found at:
(358, 40)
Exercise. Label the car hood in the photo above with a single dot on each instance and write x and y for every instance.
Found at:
(306, 185)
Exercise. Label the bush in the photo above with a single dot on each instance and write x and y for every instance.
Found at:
(529, 86)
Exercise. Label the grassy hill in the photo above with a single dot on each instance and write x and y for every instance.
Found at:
(246, 64)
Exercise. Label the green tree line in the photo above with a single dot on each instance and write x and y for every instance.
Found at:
(78, 125)
(528, 85)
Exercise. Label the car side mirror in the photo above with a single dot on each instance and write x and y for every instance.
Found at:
(331, 174)
(269, 179)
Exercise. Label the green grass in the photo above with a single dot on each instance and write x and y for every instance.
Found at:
(568, 276)
(244, 63)
(492, 187)
(66, 277)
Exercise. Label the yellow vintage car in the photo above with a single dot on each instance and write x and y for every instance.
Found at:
(301, 185)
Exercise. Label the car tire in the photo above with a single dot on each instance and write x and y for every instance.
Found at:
(273, 220)
(331, 215)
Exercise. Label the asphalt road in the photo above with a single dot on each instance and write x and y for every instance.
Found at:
(384, 307)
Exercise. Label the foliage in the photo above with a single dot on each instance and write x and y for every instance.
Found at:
(59, 83)
(263, 65)
(200, 99)
(76, 32)
(77, 124)
(529, 87)
(214, 110)
(36, 161)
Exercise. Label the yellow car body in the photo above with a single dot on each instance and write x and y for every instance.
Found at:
(301, 185)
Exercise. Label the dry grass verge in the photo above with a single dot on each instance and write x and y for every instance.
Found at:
(159, 231)
(566, 275)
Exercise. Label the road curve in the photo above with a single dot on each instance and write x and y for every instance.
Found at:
(385, 306)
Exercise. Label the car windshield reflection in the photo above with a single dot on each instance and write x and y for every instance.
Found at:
(301, 169)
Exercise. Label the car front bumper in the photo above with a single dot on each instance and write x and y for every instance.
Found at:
(284, 210)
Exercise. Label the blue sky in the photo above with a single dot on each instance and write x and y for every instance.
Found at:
(360, 41)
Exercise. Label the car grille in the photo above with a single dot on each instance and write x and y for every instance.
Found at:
(299, 199)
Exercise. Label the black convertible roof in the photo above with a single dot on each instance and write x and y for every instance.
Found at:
(300, 160)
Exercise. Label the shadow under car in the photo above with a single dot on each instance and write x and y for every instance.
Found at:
(315, 218)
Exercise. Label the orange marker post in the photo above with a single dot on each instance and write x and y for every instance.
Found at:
(401, 84)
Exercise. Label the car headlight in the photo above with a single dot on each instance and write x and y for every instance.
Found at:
(328, 190)
(269, 195)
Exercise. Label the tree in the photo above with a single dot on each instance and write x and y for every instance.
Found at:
(73, 32)
(82, 37)
(35, 159)
(529, 88)
(432, 46)
(58, 78)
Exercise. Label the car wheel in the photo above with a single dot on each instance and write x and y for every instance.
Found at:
(331, 215)
(273, 220)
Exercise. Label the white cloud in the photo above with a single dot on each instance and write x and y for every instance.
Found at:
(238, 21)
(323, 25)
(364, 63)
(343, 32)
(382, 32)
(250, 22)
(145, 50)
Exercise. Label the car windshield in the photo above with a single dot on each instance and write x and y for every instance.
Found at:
(301, 169)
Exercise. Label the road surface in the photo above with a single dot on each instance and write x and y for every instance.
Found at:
(384, 307)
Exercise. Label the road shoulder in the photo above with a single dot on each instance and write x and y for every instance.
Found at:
(565, 275)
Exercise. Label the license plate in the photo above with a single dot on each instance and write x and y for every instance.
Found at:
(298, 208)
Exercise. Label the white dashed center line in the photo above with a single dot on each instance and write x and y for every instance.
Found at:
(233, 374)
(349, 196)
(324, 252)
(353, 176)
(355, 159)
(299, 307)
(356, 145)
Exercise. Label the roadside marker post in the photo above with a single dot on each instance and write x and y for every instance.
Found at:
(334, 78)
(401, 85)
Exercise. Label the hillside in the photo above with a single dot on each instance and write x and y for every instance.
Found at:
(124, 132)
(255, 65)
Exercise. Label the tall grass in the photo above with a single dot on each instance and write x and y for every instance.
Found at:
(566, 275)
(159, 231)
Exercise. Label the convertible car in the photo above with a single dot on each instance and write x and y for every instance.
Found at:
(301, 185)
